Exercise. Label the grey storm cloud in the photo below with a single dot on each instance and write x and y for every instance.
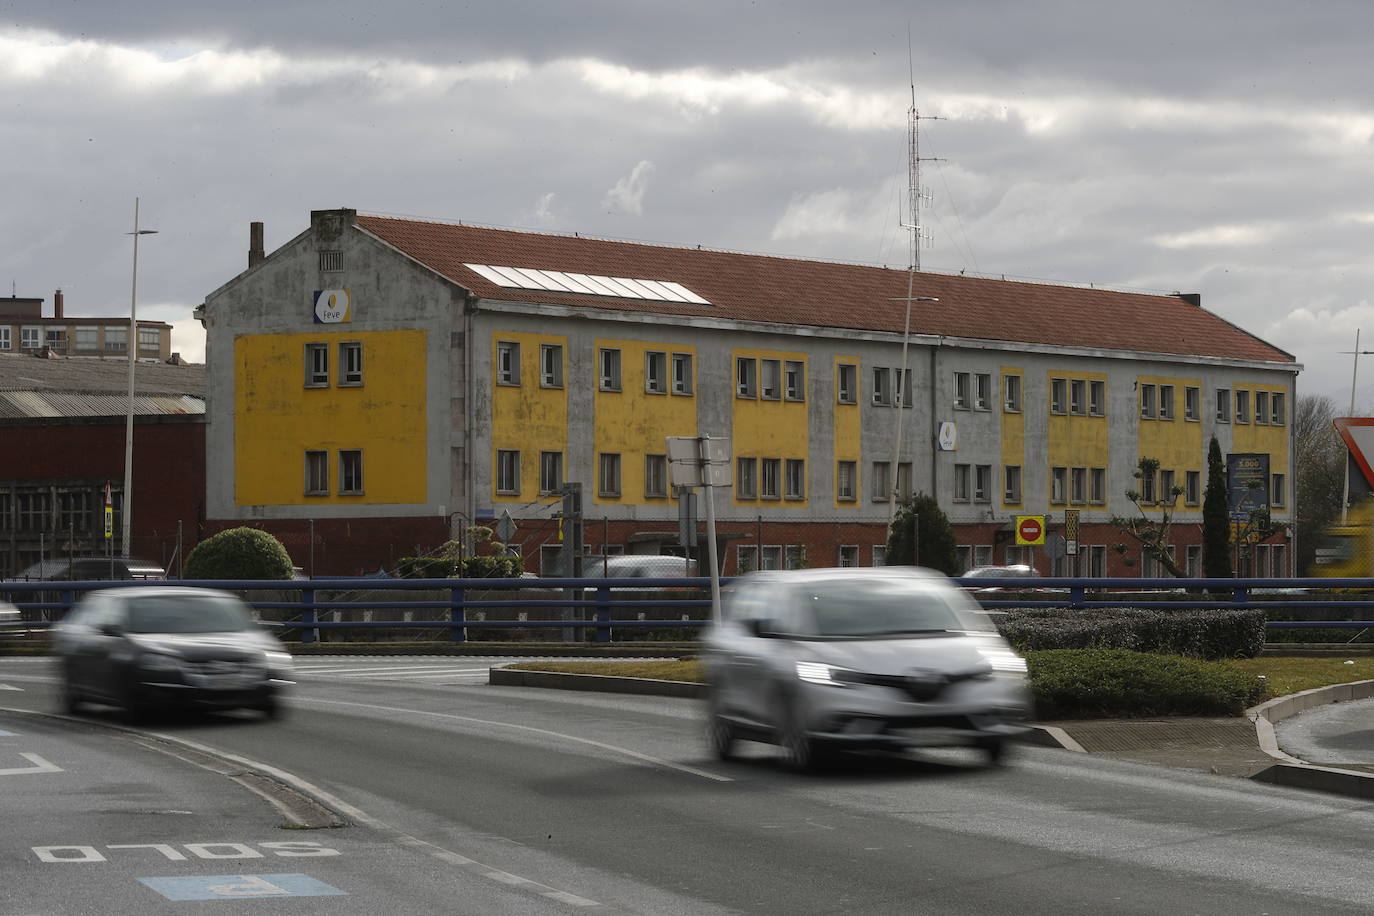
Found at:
(1219, 148)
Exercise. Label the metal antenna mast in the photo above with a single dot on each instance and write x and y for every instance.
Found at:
(914, 197)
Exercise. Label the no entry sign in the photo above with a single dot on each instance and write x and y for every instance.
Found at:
(1030, 529)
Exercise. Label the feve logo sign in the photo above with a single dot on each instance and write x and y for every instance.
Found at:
(333, 306)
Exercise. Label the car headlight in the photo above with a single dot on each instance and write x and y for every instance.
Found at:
(1003, 660)
(821, 673)
(156, 661)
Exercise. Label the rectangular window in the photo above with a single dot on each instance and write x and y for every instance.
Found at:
(1097, 398)
(1277, 498)
(794, 379)
(5, 343)
(1077, 405)
(550, 366)
(74, 511)
(882, 386)
(1192, 561)
(1011, 393)
(1148, 494)
(982, 483)
(770, 379)
(1011, 492)
(1078, 485)
(849, 555)
(746, 478)
(1279, 569)
(655, 476)
(1242, 406)
(1192, 487)
(770, 557)
(962, 393)
(608, 480)
(682, 373)
(550, 472)
(1059, 485)
(902, 395)
(1191, 403)
(1167, 496)
(770, 472)
(846, 484)
(1097, 493)
(1166, 402)
(796, 478)
(846, 383)
(1147, 401)
(1276, 404)
(149, 340)
(794, 556)
(904, 480)
(316, 365)
(608, 369)
(879, 554)
(1058, 395)
(746, 377)
(656, 372)
(982, 555)
(1262, 407)
(962, 482)
(316, 473)
(746, 558)
(351, 472)
(115, 338)
(982, 391)
(32, 338)
(1223, 405)
(1097, 561)
(507, 362)
(350, 364)
(508, 472)
(882, 480)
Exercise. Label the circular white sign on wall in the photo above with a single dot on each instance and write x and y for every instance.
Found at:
(949, 436)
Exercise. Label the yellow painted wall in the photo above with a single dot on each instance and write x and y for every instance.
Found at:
(634, 423)
(848, 432)
(1013, 438)
(1076, 441)
(770, 429)
(1177, 443)
(527, 417)
(277, 419)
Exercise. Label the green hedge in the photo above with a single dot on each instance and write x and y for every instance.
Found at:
(488, 567)
(1195, 632)
(1113, 683)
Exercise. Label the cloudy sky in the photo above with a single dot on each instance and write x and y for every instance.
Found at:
(1221, 148)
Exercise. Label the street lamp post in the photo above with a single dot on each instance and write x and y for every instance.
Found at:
(127, 499)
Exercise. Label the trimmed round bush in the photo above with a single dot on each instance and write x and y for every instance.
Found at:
(1118, 683)
(239, 553)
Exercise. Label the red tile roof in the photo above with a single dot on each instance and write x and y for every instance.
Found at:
(748, 287)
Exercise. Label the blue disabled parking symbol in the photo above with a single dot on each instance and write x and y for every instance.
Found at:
(240, 887)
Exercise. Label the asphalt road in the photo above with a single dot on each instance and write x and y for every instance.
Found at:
(513, 800)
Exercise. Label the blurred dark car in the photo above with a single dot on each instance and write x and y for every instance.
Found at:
(152, 648)
(1001, 572)
(91, 569)
(819, 660)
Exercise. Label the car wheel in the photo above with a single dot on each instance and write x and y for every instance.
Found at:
(800, 751)
(720, 734)
(997, 751)
(71, 697)
(271, 708)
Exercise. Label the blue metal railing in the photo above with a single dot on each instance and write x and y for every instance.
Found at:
(591, 603)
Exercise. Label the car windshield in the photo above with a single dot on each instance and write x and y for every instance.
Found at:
(187, 614)
(887, 607)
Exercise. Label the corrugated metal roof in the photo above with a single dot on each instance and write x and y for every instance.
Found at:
(84, 387)
(63, 404)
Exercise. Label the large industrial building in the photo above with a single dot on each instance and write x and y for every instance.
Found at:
(378, 385)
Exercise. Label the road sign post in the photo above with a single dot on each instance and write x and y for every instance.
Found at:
(703, 461)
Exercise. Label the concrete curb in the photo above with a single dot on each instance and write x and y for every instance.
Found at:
(1299, 774)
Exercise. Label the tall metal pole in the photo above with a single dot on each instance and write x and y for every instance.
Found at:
(127, 501)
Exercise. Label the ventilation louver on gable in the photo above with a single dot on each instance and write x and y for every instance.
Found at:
(557, 281)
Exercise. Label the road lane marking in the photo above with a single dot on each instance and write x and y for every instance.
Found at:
(615, 749)
(227, 887)
(39, 766)
(5, 734)
(9, 687)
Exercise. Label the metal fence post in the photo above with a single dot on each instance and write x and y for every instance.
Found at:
(603, 614)
(308, 634)
(457, 614)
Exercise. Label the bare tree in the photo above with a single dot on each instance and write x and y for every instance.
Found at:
(1150, 529)
(1320, 466)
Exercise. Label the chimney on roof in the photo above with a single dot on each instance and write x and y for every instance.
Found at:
(1193, 299)
(255, 252)
(57, 304)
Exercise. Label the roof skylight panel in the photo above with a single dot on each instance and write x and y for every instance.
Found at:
(512, 279)
(644, 291)
(683, 293)
(621, 290)
(599, 287)
(572, 281)
(558, 281)
(488, 273)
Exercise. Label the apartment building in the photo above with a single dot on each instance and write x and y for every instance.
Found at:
(377, 385)
(25, 329)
